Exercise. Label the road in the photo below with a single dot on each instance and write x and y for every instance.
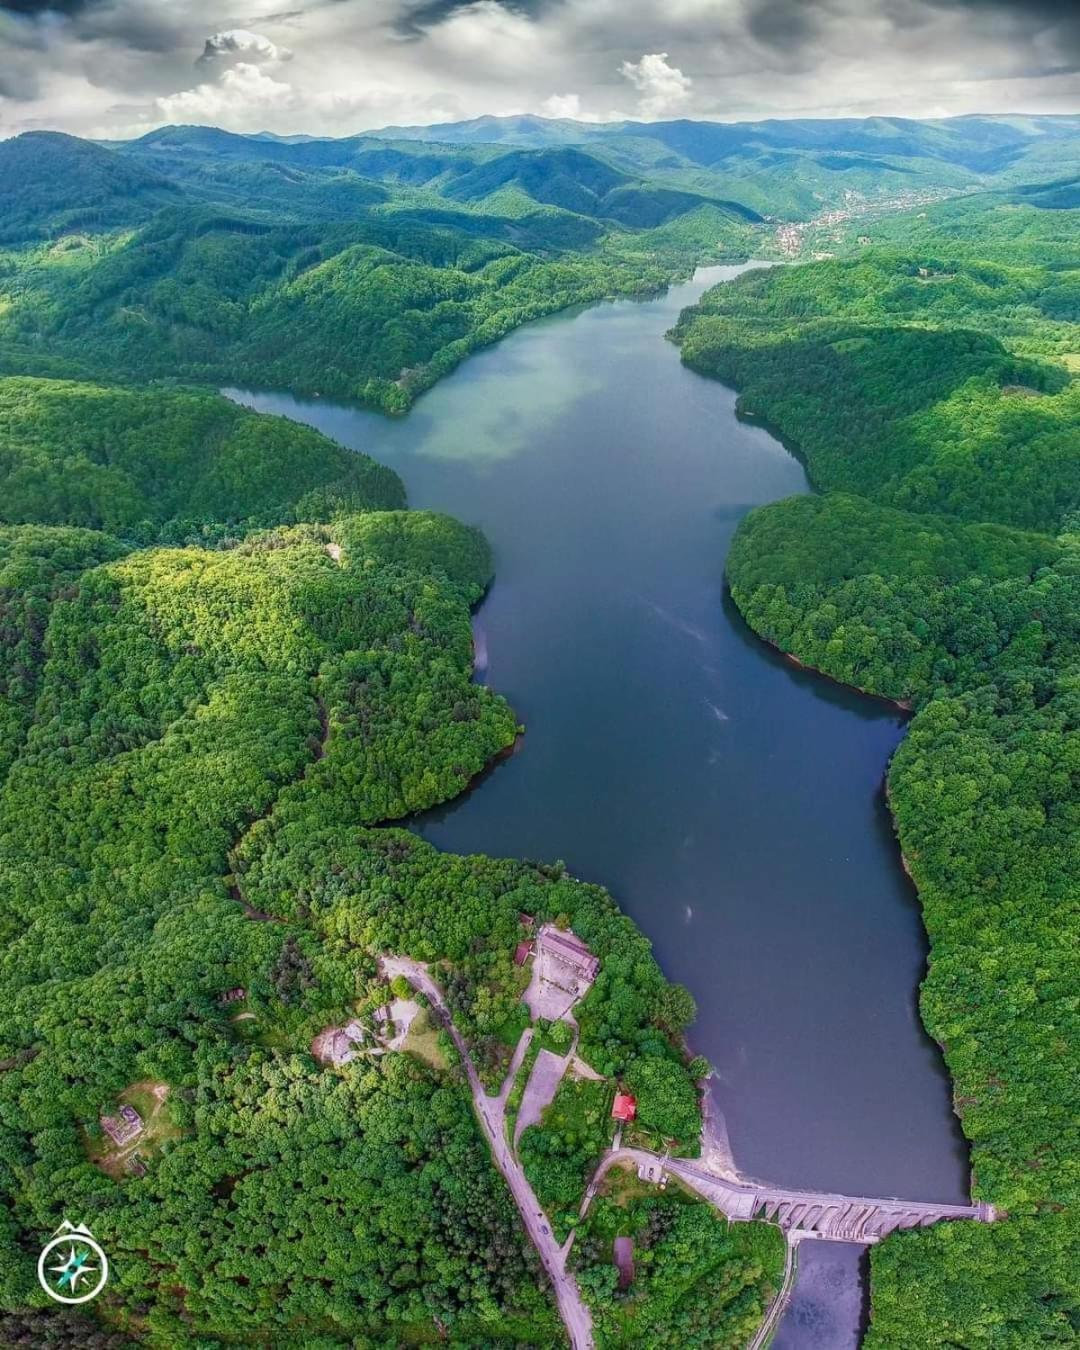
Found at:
(491, 1113)
(778, 1306)
(801, 1214)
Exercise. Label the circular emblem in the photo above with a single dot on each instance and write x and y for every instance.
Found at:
(72, 1267)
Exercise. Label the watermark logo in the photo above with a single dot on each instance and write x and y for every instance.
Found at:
(72, 1267)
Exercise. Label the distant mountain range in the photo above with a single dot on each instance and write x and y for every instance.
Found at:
(631, 175)
(192, 252)
(786, 166)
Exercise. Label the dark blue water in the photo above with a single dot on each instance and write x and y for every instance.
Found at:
(828, 1307)
(732, 803)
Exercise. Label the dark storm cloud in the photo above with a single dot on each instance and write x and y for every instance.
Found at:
(120, 66)
(1025, 18)
(32, 8)
(427, 13)
(783, 24)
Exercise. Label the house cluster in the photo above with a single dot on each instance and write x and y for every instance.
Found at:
(124, 1127)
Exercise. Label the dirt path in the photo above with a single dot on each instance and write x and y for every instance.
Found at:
(491, 1112)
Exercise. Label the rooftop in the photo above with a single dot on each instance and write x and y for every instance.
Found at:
(624, 1107)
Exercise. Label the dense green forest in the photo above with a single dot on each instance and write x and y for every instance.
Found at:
(791, 168)
(131, 460)
(232, 660)
(364, 274)
(698, 1280)
(933, 397)
(198, 739)
(367, 267)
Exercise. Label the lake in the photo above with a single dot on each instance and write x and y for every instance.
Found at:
(731, 802)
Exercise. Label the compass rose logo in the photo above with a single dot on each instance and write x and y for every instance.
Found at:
(72, 1267)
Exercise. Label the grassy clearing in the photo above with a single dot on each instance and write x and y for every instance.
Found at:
(151, 1099)
(422, 1040)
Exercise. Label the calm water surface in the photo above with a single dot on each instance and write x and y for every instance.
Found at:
(732, 803)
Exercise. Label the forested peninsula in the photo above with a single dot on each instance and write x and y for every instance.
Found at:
(205, 718)
(932, 392)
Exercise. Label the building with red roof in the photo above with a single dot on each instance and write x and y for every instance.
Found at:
(624, 1108)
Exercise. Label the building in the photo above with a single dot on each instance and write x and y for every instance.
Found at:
(624, 1108)
(623, 1255)
(125, 1126)
(338, 1045)
(522, 953)
(564, 960)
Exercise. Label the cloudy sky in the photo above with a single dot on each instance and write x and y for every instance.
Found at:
(121, 67)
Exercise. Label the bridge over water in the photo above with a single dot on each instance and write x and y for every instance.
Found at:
(803, 1214)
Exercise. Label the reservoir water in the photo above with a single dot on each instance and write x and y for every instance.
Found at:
(731, 802)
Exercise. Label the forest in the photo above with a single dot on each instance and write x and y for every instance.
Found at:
(698, 1281)
(932, 394)
(219, 259)
(132, 460)
(234, 666)
(204, 718)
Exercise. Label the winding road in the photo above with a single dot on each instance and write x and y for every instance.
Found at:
(800, 1214)
(491, 1113)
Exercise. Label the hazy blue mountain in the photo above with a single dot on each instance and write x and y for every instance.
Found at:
(794, 167)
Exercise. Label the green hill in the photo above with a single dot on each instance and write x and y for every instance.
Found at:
(374, 309)
(123, 458)
(791, 168)
(189, 811)
(53, 184)
(951, 583)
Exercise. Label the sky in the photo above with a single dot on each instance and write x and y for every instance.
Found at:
(118, 68)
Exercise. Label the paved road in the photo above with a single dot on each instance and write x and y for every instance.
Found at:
(778, 1306)
(491, 1112)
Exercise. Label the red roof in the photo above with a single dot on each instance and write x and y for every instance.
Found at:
(625, 1107)
(523, 952)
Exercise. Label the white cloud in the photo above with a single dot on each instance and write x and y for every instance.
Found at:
(664, 89)
(242, 43)
(562, 105)
(244, 99)
(123, 66)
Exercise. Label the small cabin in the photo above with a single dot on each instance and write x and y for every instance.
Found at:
(624, 1108)
(522, 953)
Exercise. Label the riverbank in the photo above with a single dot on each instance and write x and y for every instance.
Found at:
(948, 580)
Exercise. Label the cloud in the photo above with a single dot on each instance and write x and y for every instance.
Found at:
(664, 88)
(562, 105)
(111, 67)
(244, 98)
(241, 42)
